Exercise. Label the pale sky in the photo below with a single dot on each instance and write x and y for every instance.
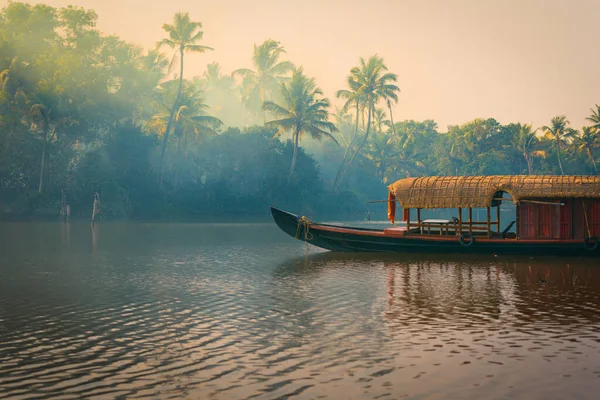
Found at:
(513, 60)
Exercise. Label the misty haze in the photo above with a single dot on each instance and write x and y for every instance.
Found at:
(163, 166)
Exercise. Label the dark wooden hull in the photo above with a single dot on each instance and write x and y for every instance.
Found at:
(344, 239)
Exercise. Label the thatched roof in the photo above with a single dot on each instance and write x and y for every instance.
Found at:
(479, 191)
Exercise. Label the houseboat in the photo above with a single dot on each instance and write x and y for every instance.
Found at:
(554, 215)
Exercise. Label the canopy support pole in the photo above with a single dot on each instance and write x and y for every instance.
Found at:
(517, 218)
(470, 220)
(489, 225)
(572, 205)
(498, 218)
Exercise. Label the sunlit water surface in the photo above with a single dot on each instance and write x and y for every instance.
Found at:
(208, 311)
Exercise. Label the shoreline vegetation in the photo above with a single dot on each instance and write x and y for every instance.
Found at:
(82, 113)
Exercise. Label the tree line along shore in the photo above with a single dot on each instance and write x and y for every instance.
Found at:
(84, 113)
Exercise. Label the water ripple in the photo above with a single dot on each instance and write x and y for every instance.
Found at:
(177, 314)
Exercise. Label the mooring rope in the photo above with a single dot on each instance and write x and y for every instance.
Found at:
(304, 222)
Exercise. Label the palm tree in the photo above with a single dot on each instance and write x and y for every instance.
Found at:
(303, 110)
(589, 139)
(389, 104)
(39, 114)
(344, 124)
(354, 98)
(372, 83)
(380, 151)
(214, 78)
(390, 157)
(379, 121)
(219, 88)
(595, 117)
(561, 133)
(183, 36)
(43, 114)
(410, 132)
(154, 64)
(268, 75)
(190, 117)
(525, 142)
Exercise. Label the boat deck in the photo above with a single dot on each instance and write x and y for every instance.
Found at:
(450, 238)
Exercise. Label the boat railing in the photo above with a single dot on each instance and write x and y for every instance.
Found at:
(450, 227)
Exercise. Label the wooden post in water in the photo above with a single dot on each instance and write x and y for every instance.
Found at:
(62, 204)
(65, 209)
(95, 208)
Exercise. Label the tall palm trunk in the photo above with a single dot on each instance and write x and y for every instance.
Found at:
(170, 121)
(293, 167)
(559, 156)
(363, 118)
(389, 104)
(178, 159)
(382, 169)
(529, 163)
(41, 185)
(360, 146)
(589, 151)
(180, 72)
(337, 176)
(262, 101)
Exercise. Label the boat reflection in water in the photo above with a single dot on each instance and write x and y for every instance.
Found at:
(448, 327)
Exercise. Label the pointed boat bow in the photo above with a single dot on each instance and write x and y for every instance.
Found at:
(287, 222)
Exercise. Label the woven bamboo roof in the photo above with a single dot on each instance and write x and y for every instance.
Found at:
(479, 191)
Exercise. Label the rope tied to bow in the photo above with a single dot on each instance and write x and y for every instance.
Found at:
(305, 223)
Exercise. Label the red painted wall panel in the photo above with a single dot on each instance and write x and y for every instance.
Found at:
(594, 217)
(565, 219)
(579, 231)
(527, 220)
(544, 221)
(576, 219)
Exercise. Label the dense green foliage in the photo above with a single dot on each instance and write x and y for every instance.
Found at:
(82, 112)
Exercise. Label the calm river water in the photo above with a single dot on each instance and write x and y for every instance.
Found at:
(209, 311)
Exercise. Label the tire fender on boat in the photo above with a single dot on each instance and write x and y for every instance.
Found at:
(590, 243)
(468, 243)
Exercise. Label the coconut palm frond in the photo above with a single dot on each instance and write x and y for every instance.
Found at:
(275, 108)
(284, 124)
(197, 48)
